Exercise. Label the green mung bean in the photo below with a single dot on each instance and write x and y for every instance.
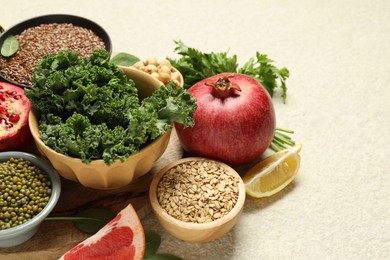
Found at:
(24, 191)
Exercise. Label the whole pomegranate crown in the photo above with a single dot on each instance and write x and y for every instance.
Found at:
(224, 83)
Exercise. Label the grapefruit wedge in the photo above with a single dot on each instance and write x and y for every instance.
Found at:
(121, 238)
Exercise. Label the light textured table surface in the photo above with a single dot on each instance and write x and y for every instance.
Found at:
(338, 103)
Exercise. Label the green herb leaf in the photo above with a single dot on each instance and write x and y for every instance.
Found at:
(10, 46)
(92, 220)
(124, 59)
(153, 241)
(196, 65)
(173, 104)
(162, 256)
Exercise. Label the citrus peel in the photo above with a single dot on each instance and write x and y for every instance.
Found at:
(273, 174)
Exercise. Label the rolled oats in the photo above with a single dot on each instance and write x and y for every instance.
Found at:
(198, 191)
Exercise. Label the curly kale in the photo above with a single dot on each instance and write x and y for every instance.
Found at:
(89, 109)
(64, 84)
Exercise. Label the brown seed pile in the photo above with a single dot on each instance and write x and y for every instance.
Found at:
(38, 41)
(198, 192)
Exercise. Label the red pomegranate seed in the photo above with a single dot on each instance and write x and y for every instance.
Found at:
(12, 93)
(14, 118)
(3, 110)
(17, 97)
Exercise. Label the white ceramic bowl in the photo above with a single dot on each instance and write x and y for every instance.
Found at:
(21, 233)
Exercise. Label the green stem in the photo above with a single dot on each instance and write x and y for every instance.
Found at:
(275, 147)
(70, 218)
(284, 130)
(281, 144)
(284, 140)
(281, 140)
(282, 135)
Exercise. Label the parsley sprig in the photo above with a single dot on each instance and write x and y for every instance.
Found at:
(267, 74)
(196, 65)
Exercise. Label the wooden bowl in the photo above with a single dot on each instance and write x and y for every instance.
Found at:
(97, 174)
(193, 231)
(181, 79)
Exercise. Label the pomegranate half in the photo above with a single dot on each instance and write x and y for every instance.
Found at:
(14, 109)
(234, 122)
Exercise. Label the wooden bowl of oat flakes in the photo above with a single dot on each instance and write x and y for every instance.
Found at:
(197, 199)
(48, 34)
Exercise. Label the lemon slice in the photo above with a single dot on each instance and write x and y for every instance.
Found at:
(273, 173)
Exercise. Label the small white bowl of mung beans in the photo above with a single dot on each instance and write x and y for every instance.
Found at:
(29, 191)
(197, 199)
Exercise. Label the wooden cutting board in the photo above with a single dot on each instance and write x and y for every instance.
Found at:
(56, 237)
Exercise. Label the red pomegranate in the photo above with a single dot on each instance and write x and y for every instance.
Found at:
(14, 109)
(234, 122)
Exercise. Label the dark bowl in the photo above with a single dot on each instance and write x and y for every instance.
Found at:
(55, 18)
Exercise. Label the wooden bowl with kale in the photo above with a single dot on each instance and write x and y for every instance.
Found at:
(100, 124)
